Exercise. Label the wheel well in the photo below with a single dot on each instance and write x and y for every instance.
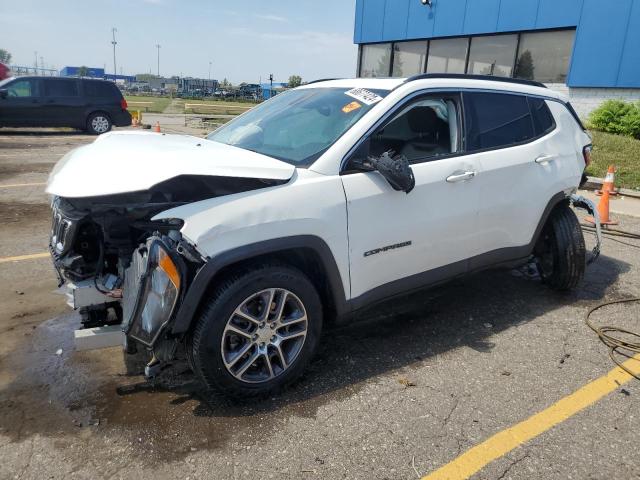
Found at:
(305, 259)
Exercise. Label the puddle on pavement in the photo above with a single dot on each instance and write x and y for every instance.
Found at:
(85, 397)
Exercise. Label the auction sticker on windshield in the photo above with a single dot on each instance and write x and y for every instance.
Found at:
(364, 95)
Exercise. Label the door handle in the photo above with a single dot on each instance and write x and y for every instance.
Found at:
(545, 159)
(460, 176)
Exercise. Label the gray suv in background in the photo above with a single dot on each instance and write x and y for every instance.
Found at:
(87, 104)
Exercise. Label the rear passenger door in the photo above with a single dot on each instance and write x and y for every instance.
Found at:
(508, 134)
(63, 104)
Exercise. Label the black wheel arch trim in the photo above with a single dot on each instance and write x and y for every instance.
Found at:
(205, 275)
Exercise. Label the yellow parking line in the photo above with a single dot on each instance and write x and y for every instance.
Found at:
(19, 258)
(503, 442)
(22, 185)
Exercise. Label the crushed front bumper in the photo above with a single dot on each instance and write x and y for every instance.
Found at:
(578, 201)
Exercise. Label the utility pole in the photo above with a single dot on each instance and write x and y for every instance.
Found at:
(36, 55)
(158, 47)
(210, 70)
(114, 43)
(271, 81)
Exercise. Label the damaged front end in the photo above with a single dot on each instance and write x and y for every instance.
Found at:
(121, 268)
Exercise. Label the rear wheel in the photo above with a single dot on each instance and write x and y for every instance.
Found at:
(560, 251)
(257, 332)
(98, 123)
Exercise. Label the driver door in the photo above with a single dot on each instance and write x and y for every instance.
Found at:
(400, 241)
(22, 104)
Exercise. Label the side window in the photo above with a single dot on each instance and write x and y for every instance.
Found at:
(22, 88)
(421, 131)
(496, 120)
(542, 118)
(98, 89)
(60, 88)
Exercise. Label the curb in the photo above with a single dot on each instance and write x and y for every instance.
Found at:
(595, 183)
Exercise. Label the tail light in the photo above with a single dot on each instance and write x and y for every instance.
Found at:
(586, 153)
(123, 104)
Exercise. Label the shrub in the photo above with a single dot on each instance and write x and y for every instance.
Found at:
(616, 116)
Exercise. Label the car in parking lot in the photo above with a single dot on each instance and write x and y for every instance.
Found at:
(236, 249)
(88, 104)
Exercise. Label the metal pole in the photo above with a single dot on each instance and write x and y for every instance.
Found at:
(158, 47)
(36, 55)
(114, 43)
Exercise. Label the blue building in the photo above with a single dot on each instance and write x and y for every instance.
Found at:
(589, 49)
(96, 73)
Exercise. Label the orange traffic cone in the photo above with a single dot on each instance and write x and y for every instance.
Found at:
(609, 182)
(156, 128)
(603, 210)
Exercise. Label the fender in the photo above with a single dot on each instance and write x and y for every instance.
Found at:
(206, 274)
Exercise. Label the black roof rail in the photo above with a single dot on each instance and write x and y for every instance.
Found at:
(322, 80)
(462, 76)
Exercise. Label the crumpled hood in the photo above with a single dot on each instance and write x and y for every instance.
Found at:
(129, 161)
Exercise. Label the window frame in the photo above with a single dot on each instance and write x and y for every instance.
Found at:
(389, 115)
(515, 144)
(462, 123)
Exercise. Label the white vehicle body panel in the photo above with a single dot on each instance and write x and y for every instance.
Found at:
(119, 162)
(515, 189)
(310, 204)
(437, 217)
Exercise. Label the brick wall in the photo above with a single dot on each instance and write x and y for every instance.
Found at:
(585, 100)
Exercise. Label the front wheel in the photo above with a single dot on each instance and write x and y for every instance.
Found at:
(560, 251)
(257, 332)
(98, 123)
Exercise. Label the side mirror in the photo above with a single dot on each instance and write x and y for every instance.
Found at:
(4, 93)
(395, 169)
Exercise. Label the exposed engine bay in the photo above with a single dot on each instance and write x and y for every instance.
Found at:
(119, 266)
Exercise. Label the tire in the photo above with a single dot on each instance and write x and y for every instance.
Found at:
(257, 361)
(98, 123)
(560, 251)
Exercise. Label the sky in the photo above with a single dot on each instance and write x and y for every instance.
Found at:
(245, 40)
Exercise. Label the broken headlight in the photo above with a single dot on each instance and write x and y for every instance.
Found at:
(151, 291)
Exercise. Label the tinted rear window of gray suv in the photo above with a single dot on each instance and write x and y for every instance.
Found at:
(99, 89)
(496, 120)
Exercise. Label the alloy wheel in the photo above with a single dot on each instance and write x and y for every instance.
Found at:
(264, 335)
(100, 124)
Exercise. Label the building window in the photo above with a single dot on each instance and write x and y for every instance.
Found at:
(448, 55)
(375, 60)
(409, 58)
(545, 56)
(492, 55)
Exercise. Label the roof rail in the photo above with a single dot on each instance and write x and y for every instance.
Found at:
(322, 80)
(462, 76)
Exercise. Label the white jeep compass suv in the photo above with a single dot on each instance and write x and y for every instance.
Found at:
(234, 250)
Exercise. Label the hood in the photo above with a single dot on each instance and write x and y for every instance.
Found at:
(130, 161)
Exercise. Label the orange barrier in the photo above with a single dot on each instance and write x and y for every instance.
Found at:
(603, 210)
(609, 182)
(156, 127)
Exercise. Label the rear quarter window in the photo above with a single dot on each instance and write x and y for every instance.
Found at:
(543, 121)
(495, 120)
(101, 90)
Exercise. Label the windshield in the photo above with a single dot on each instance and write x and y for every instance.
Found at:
(299, 125)
(5, 81)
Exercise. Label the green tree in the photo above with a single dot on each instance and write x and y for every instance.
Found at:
(145, 77)
(83, 71)
(524, 66)
(295, 81)
(5, 56)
